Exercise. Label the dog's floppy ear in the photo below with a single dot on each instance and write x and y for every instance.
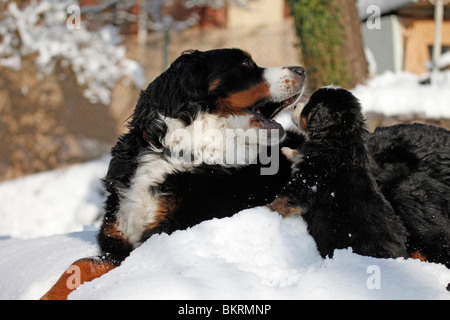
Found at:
(179, 92)
(184, 85)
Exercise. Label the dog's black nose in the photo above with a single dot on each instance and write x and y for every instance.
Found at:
(299, 70)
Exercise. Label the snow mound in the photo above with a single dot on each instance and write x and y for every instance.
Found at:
(255, 254)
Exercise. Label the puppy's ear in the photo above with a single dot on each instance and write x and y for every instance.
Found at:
(304, 120)
(318, 119)
(179, 92)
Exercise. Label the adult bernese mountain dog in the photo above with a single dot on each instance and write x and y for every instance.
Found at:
(202, 144)
(385, 195)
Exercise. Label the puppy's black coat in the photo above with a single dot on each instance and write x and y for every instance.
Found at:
(333, 185)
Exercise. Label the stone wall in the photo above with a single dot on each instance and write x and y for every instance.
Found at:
(46, 122)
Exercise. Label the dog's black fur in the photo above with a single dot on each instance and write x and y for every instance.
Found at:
(414, 176)
(333, 185)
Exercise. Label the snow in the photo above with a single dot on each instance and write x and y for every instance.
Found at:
(444, 60)
(442, 63)
(30, 267)
(50, 219)
(401, 93)
(255, 254)
(58, 201)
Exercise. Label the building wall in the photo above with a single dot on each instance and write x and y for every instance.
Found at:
(258, 13)
(418, 36)
(385, 43)
(270, 44)
(403, 44)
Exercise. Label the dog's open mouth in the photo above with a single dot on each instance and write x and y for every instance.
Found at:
(265, 112)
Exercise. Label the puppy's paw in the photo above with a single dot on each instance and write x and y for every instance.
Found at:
(289, 153)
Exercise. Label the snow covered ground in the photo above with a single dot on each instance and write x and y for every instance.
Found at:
(49, 220)
(401, 93)
(57, 201)
(253, 255)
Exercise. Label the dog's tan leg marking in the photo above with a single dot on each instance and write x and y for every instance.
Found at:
(418, 255)
(80, 271)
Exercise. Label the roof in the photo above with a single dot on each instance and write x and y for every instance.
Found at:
(386, 6)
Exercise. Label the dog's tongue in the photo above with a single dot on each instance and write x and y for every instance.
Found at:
(271, 126)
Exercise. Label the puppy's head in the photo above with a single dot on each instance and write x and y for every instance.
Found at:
(225, 83)
(331, 112)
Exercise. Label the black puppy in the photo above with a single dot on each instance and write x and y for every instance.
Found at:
(333, 186)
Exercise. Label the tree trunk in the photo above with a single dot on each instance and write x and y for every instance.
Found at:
(330, 41)
(353, 47)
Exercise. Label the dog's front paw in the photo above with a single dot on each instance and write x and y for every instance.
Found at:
(284, 208)
(289, 153)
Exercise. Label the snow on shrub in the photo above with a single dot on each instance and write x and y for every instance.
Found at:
(96, 57)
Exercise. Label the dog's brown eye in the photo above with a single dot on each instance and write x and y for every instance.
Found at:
(246, 63)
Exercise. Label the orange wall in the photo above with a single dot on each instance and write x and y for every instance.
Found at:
(418, 35)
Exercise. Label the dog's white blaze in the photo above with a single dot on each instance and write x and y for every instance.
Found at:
(206, 139)
(282, 83)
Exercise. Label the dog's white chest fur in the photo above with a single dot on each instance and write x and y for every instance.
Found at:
(209, 139)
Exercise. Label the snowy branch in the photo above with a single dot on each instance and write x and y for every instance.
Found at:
(96, 57)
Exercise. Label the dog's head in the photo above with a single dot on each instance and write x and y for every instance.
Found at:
(226, 84)
(331, 112)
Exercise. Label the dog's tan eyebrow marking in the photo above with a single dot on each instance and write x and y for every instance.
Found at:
(247, 54)
(214, 85)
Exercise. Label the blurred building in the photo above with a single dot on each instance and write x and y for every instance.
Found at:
(403, 37)
(264, 28)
